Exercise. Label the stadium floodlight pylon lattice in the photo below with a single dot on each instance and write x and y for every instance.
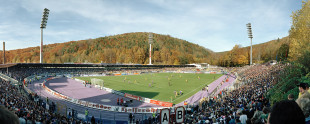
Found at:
(43, 25)
(150, 42)
(251, 37)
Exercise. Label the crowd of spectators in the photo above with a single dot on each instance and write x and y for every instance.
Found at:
(25, 106)
(245, 104)
(20, 73)
(30, 109)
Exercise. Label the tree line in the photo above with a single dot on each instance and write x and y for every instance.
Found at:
(123, 48)
(239, 56)
(298, 69)
(134, 48)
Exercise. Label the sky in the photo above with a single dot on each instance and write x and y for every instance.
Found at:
(214, 24)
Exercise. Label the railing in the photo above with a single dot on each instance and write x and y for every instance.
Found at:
(7, 78)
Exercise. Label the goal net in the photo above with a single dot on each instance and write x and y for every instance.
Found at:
(97, 82)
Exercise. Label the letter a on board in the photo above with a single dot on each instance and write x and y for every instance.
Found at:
(164, 116)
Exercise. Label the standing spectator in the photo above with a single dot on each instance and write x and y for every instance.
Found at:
(86, 115)
(7, 117)
(304, 100)
(93, 120)
(286, 112)
(303, 92)
(69, 115)
(303, 85)
(305, 107)
(238, 121)
(121, 101)
(137, 121)
(256, 119)
(185, 103)
(265, 114)
(232, 121)
(243, 118)
(46, 100)
(130, 118)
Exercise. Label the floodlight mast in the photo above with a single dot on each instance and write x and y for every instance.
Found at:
(251, 37)
(43, 25)
(150, 42)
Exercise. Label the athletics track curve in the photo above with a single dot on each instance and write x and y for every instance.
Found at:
(75, 89)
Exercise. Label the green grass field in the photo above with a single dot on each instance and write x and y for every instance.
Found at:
(156, 85)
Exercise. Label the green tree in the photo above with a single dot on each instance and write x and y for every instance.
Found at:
(183, 60)
(288, 79)
(283, 52)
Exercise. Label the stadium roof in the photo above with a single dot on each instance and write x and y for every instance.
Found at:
(6, 65)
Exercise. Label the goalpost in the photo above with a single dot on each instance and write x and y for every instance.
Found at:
(97, 82)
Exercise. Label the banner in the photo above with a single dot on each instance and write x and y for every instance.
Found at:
(133, 97)
(161, 103)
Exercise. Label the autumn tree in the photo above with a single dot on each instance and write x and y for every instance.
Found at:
(156, 57)
(300, 31)
(123, 48)
(109, 55)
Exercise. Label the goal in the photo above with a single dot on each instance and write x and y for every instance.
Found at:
(96, 82)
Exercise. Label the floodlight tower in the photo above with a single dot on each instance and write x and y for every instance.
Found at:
(3, 52)
(43, 25)
(250, 36)
(150, 42)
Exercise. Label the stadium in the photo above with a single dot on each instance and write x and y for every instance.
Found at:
(59, 88)
(116, 62)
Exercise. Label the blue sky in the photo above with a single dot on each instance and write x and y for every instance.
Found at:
(215, 24)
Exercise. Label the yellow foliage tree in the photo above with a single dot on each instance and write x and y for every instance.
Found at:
(300, 31)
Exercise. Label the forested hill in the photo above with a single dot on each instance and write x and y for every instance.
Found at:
(272, 50)
(123, 48)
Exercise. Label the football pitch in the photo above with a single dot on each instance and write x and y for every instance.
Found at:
(158, 86)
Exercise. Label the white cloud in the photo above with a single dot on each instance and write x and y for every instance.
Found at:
(217, 25)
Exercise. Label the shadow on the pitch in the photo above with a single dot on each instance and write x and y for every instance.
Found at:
(111, 99)
(139, 93)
